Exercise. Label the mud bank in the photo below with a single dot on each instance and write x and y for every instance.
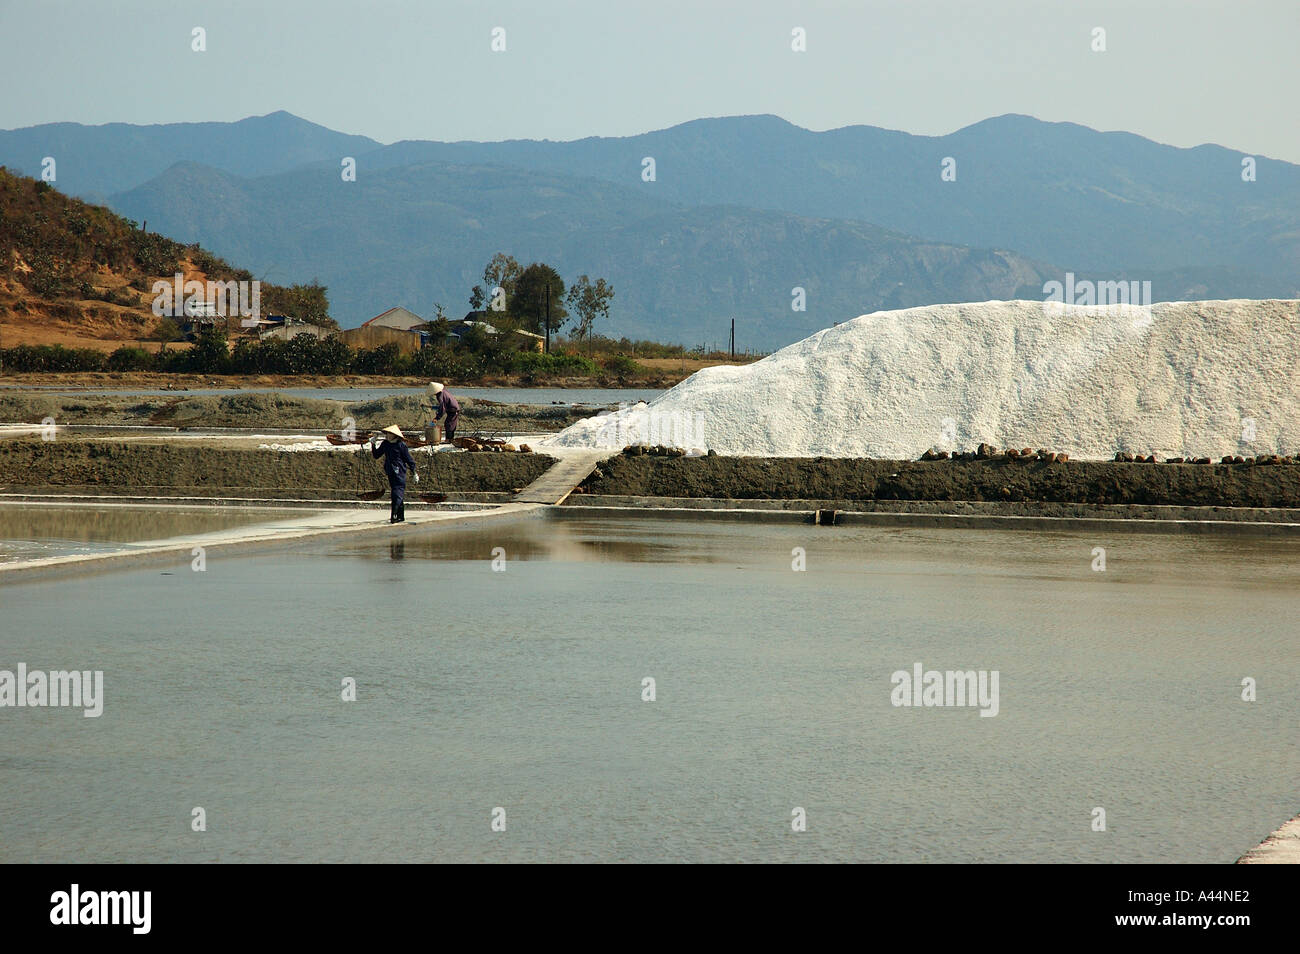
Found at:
(132, 468)
(657, 373)
(277, 410)
(951, 508)
(1002, 480)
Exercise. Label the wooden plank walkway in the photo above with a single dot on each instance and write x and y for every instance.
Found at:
(554, 486)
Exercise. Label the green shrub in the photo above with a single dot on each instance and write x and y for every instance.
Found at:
(130, 359)
(51, 358)
(385, 359)
(534, 362)
(620, 366)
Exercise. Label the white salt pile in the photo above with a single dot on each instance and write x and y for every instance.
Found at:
(1181, 379)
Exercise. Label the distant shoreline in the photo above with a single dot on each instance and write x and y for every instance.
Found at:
(157, 380)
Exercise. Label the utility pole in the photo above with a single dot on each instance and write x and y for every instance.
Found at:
(548, 317)
(733, 339)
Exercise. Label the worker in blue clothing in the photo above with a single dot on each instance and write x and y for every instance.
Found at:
(391, 446)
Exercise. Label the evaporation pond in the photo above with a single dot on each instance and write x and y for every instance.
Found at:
(521, 685)
(32, 531)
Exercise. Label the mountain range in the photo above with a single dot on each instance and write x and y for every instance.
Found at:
(741, 212)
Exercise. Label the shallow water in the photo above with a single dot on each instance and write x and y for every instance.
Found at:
(34, 531)
(522, 690)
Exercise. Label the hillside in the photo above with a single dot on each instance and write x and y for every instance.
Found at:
(78, 274)
(420, 234)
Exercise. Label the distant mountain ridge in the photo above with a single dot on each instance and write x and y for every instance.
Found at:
(1056, 191)
(740, 211)
(93, 162)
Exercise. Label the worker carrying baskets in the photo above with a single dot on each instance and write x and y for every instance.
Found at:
(391, 446)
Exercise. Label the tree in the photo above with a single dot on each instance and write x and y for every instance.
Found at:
(590, 301)
(306, 302)
(335, 355)
(439, 327)
(476, 298)
(211, 353)
(529, 300)
(166, 330)
(502, 272)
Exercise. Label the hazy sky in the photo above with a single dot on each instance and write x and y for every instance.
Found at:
(1178, 71)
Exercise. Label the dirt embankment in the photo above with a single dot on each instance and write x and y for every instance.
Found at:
(1090, 482)
(662, 373)
(171, 469)
(261, 410)
(179, 381)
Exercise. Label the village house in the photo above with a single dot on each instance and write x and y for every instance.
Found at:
(398, 318)
(473, 319)
(285, 328)
(396, 326)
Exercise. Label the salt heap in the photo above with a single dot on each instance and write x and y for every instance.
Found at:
(1175, 379)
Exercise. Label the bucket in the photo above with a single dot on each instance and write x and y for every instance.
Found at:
(433, 433)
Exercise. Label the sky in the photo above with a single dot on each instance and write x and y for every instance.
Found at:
(1182, 72)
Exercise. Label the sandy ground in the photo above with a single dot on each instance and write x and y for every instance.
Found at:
(687, 365)
(14, 335)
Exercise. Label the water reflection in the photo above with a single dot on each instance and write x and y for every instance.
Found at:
(561, 541)
(1132, 559)
(27, 531)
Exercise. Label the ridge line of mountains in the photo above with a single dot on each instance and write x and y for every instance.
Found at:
(741, 212)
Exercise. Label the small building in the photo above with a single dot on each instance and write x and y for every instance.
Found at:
(286, 328)
(531, 341)
(458, 328)
(199, 317)
(398, 318)
(372, 336)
